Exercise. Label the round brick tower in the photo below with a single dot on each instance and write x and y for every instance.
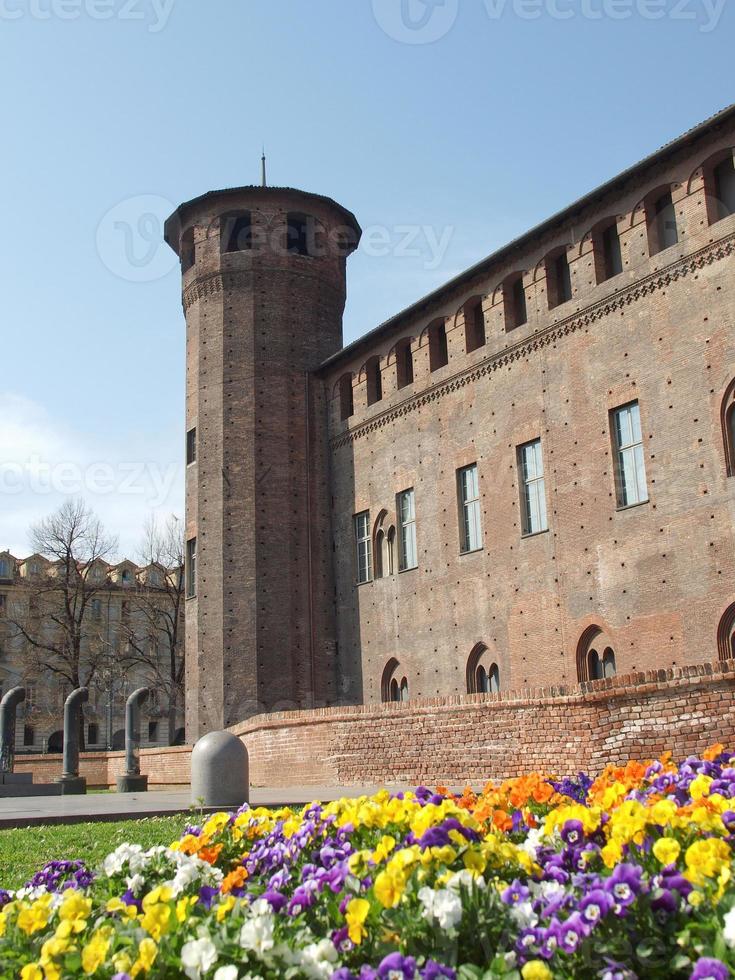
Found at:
(264, 290)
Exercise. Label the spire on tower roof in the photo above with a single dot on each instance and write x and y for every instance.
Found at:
(263, 170)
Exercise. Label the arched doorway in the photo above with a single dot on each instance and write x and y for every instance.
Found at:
(56, 743)
(726, 634)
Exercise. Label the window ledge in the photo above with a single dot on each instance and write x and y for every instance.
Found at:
(623, 507)
(534, 534)
(472, 551)
(366, 582)
(413, 568)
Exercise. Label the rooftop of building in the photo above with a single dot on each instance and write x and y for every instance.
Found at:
(174, 223)
(525, 240)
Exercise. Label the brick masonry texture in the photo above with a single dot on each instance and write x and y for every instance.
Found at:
(283, 466)
(465, 738)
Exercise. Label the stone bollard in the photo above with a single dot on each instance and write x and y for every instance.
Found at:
(8, 710)
(219, 771)
(131, 780)
(71, 782)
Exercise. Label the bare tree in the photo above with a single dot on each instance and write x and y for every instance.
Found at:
(156, 631)
(55, 616)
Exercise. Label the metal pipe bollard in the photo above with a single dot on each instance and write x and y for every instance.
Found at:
(131, 780)
(71, 782)
(8, 708)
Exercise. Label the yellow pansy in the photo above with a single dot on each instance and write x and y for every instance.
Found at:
(705, 859)
(121, 962)
(225, 907)
(662, 812)
(700, 786)
(116, 905)
(357, 913)
(35, 917)
(162, 893)
(611, 854)
(94, 953)
(667, 850)
(385, 847)
(31, 971)
(389, 886)
(147, 953)
(155, 920)
(536, 970)
(182, 907)
(475, 861)
(74, 906)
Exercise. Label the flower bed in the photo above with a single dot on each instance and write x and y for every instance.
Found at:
(627, 875)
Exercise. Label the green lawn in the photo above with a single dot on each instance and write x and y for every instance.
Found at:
(23, 852)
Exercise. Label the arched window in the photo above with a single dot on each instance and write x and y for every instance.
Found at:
(390, 548)
(728, 428)
(374, 380)
(391, 688)
(56, 743)
(474, 324)
(4, 568)
(187, 250)
(236, 232)
(719, 183)
(483, 675)
(661, 221)
(404, 363)
(438, 350)
(346, 399)
(93, 733)
(300, 234)
(378, 559)
(726, 635)
(514, 301)
(558, 278)
(592, 665)
(606, 250)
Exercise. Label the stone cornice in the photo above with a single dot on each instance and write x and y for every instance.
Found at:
(688, 265)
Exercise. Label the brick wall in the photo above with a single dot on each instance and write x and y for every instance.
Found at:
(463, 738)
(475, 737)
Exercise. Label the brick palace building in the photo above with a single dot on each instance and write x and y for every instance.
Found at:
(526, 479)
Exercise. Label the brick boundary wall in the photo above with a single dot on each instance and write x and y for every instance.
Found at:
(464, 738)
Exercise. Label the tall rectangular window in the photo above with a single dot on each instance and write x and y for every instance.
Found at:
(299, 234)
(407, 520)
(630, 468)
(612, 257)
(191, 568)
(191, 447)
(665, 233)
(724, 187)
(364, 547)
(514, 298)
(558, 280)
(533, 487)
(470, 524)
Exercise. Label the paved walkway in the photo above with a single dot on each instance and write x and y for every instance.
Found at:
(36, 810)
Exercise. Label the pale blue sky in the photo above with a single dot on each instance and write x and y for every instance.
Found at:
(476, 125)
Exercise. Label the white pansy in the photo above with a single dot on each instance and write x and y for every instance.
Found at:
(135, 883)
(130, 854)
(317, 960)
(728, 933)
(197, 957)
(444, 906)
(257, 934)
(465, 879)
(523, 915)
(532, 842)
(225, 973)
